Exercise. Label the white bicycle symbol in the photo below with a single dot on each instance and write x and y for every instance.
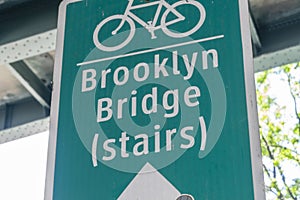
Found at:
(151, 26)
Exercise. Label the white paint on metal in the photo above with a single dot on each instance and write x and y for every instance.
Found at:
(149, 184)
(11, 89)
(28, 47)
(24, 130)
(278, 58)
(256, 158)
(254, 34)
(24, 81)
(42, 66)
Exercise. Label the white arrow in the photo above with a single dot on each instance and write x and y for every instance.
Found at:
(149, 184)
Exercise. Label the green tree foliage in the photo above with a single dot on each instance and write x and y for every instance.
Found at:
(279, 120)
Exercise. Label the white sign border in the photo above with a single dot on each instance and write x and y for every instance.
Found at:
(49, 185)
(255, 148)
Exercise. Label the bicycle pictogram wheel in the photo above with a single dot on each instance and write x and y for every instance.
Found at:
(175, 34)
(110, 19)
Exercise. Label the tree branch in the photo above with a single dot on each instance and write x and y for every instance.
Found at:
(284, 182)
(274, 172)
(294, 98)
(279, 194)
(292, 150)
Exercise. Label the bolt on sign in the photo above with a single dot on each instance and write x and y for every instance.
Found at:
(154, 100)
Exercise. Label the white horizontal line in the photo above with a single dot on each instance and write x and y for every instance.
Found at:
(150, 50)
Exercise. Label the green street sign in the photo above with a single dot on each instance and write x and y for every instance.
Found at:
(154, 100)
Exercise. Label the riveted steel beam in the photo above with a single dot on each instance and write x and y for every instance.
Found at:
(31, 82)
